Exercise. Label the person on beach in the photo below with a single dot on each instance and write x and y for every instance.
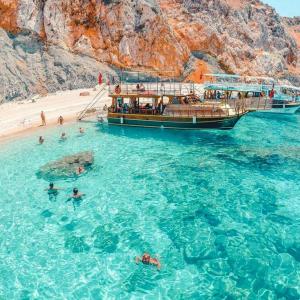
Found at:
(146, 259)
(76, 198)
(60, 120)
(43, 117)
(81, 130)
(63, 136)
(41, 140)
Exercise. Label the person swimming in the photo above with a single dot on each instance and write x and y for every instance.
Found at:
(63, 136)
(146, 259)
(76, 198)
(52, 191)
(80, 170)
(81, 130)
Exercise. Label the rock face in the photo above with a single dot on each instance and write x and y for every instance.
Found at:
(67, 166)
(46, 45)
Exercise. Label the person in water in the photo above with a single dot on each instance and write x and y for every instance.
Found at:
(81, 130)
(146, 259)
(63, 136)
(41, 140)
(76, 198)
(80, 170)
(52, 191)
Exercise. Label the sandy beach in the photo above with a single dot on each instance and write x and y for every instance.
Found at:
(22, 117)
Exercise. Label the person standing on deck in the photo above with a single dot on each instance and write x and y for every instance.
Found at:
(43, 117)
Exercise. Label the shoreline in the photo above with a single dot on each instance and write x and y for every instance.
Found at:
(22, 118)
(25, 132)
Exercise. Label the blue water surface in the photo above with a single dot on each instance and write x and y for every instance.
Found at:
(220, 209)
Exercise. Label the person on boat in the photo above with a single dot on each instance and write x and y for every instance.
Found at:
(146, 259)
(63, 136)
(41, 140)
(142, 88)
(138, 87)
(118, 89)
(76, 198)
(80, 170)
(105, 107)
(43, 117)
(81, 130)
(60, 120)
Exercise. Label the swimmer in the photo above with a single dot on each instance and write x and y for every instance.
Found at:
(146, 259)
(76, 194)
(41, 140)
(52, 191)
(80, 170)
(63, 136)
(81, 130)
(76, 198)
(52, 187)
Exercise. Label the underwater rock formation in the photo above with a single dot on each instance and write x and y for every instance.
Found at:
(67, 166)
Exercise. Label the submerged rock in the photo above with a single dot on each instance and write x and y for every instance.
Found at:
(67, 166)
(77, 244)
(105, 239)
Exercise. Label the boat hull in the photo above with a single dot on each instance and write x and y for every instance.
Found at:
(282, 109)
(189, 123)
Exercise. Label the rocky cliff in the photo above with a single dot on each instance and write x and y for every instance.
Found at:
(61, 44)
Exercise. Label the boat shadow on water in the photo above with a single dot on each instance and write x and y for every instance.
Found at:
(178, 136)
(277, 117)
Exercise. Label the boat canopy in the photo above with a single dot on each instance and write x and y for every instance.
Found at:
(244, 77)
(254, 88)
(223, 75)
(290, 87)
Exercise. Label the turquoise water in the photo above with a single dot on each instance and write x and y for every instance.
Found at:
(221, 210)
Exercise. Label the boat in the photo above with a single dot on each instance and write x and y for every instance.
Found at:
(260, 94)
(176, 107)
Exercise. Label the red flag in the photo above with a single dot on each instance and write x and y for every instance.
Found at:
(100, 78)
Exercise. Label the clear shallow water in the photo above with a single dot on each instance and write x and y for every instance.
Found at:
(220, 209)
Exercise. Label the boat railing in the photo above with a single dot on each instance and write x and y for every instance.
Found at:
(152, 88)
(201, 110)
(143, 111)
